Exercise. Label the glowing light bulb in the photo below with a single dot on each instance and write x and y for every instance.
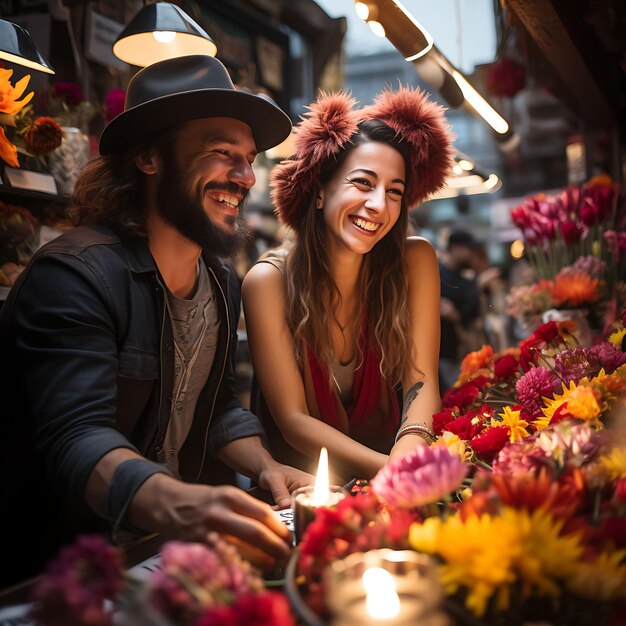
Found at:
(164, 36)
(377, 28)
(362, 10)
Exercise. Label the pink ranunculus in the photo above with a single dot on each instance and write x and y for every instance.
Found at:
(425, 475)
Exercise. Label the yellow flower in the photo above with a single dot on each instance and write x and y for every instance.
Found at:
(517, 426)
(548, 556)
(483, 566)
(455, 445)
(582, 404)
(601, 580)
(614, 463)
(487, 554)
(617, 337)
(552, 405)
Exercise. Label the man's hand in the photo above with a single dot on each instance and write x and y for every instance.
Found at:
(190, 512)
(281, 480)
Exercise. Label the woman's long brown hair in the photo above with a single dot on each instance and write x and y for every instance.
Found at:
(312, 294)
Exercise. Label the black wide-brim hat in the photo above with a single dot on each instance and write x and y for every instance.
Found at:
(188, 88)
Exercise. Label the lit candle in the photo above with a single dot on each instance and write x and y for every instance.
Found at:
(384, 587)
(307, 499)
(381, 602)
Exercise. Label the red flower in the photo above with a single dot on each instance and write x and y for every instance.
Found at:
(463, 427)
(505, 367)
(43, 136)
(505, 77)
(540, 491)
(488, 443)
(441, 419)
(461, 396)
(571, 232)
(548, 332)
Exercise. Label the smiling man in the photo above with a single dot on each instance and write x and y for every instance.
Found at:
(118, 340)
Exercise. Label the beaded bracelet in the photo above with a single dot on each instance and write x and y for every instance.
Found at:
(421, 430)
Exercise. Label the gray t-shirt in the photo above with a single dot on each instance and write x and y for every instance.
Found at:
(195, 327)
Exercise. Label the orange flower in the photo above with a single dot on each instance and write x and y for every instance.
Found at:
(10, 104)
(477, 360)
(575, 288)
(8, 152)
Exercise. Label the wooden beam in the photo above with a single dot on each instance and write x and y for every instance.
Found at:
(556, 41)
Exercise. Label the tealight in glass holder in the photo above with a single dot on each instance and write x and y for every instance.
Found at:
(305, 504)
(393, 587)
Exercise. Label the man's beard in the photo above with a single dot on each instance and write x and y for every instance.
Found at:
(177, 207)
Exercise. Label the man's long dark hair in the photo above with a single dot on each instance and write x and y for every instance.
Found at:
(110, 188)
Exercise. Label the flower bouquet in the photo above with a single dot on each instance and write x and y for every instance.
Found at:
(522, 498)
(576, 245)
(192, 585)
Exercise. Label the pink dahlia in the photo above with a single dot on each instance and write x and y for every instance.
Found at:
(534, 384)
(425, 475)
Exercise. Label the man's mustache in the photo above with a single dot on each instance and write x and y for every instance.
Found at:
(228, 187)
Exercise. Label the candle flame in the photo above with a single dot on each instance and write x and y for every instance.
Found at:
(321, 491)
(382, 602)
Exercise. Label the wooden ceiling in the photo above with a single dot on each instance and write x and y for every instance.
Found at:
(584, 42)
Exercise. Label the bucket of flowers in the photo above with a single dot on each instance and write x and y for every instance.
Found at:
(575, 242)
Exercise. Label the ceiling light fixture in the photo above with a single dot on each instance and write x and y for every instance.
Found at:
(17, 46)
(161, 31)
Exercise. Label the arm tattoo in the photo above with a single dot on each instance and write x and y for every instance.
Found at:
(412, 393)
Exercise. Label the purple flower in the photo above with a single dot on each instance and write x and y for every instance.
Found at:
(605, 355)
(592, 265)
(425, 475)
(75, 585)
(534, 384)
(573, 365)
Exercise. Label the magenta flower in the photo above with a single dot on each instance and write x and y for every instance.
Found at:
(70, 93)
(425, 475)
(114, 104)
(195, 577)
(75, 585)
(521, 457)
(534, 384)
(605, 355)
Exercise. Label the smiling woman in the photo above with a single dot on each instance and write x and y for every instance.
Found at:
(348, 315)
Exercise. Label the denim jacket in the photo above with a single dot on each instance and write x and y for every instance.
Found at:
(87, 366)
